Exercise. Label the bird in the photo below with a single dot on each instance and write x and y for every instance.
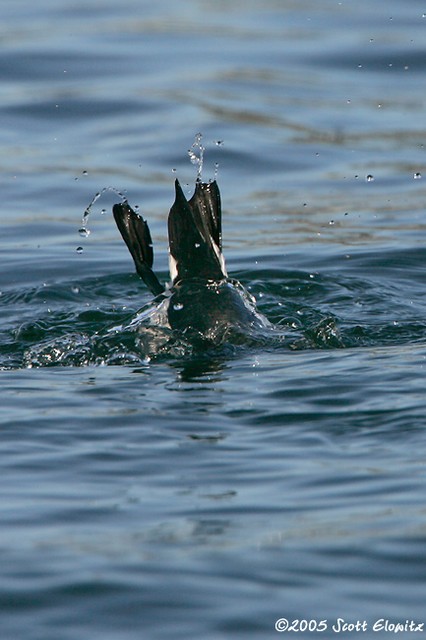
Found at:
(201, 302)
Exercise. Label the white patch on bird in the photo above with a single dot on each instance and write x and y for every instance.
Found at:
(172, 267)
(220, 257)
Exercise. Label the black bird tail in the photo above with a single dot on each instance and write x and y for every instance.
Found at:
(135, 232)
(195, 234)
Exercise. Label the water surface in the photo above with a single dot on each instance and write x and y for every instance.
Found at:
(209, 494)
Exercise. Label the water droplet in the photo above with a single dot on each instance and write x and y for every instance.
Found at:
(218, 143)
(197, 148)
(85, 173)
(173, 170)
(331, 222)
(75, 289)
(417, 176)
(197, 245)
(84, 232)
(178, 306)
(79, 249)
(103, 212)
(95, 198)
(369, 178)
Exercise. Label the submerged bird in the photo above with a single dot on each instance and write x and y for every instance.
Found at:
(202, 302)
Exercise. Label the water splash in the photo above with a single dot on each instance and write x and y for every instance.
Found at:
(196, 154)
(83, 230)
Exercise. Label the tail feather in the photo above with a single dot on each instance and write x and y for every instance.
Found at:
(206, 208)
(195, 234)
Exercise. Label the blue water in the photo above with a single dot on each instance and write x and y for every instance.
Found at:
(207, 495)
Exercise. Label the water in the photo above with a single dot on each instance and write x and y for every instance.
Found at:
(197, 160)
(201, 494)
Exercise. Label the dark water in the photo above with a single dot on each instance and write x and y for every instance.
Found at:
(206, 495)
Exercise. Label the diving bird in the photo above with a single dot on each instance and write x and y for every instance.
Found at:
(201, 301)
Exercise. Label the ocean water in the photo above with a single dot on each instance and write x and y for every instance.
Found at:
(210, 494)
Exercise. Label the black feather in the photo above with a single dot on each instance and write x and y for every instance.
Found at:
(195, 233)
(136, 235)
